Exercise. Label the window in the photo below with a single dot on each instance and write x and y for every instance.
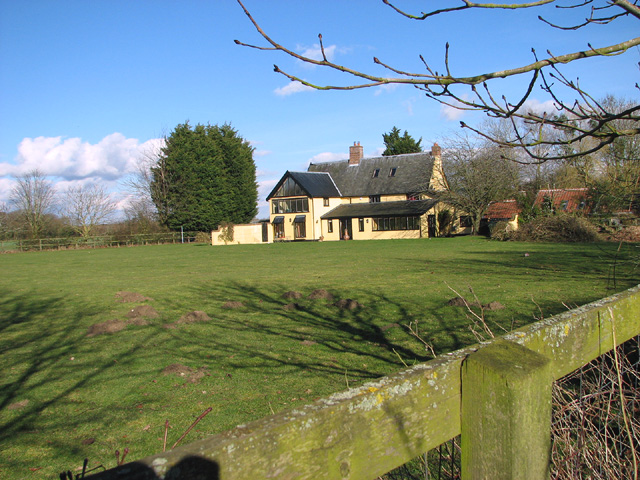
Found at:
(396, 223)
(289, 188)
(392, 172)
(325, 201)
(290, 205)
(376, 172)
(300, 226)
(564, 204)
(374, 198)
(330, 226)
(361, 224)
(466, 221)
(413, 196)
(278, 227)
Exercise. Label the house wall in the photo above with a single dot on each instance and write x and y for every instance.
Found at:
(243, 234)
(319, 209)
(368, 233)
(315, 228)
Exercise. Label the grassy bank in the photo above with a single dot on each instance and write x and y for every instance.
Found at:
(65, 396)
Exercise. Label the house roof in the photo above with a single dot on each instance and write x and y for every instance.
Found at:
(412, 174)
(381, 209)
(315, 184)
(575, 199)
(506, 209)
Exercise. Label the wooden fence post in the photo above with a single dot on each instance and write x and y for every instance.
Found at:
(506, 413)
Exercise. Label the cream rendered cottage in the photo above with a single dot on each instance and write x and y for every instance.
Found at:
(360, 198)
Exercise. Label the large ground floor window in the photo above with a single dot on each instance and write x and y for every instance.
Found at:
(300, 227)
(396, 223)
(278, 230)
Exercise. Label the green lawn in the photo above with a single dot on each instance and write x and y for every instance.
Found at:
(65, 396)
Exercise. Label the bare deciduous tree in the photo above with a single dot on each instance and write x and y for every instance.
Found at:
(140, 185)
(584, 116)
(87, 206)
(33, 196)
(477, 175)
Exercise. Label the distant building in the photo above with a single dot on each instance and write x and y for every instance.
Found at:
(360, 198)
(570, 200)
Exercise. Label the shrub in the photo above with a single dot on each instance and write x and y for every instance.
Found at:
(557, 228)
(502, 231)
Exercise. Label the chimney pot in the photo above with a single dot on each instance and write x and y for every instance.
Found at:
(356, 152)
(436, 151)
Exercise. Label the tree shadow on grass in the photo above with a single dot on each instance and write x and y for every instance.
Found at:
(46, 362)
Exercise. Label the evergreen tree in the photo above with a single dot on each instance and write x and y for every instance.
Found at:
(398, 145)
(205, 175)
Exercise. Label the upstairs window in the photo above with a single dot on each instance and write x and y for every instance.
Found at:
(289, 188)
(392, 172)
(325, 201)
(374, 198)
(413, 196)
(376, 172)
(290, 205)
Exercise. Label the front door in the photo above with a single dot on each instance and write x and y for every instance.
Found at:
(431, 226)
(345, 229)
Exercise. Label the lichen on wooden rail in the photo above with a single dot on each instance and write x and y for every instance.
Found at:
(393, 420)
(367, 431)
(574, 338)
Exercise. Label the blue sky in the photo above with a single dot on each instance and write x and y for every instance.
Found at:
(86, 86)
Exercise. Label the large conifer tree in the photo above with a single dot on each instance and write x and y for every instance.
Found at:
(205, 175)
(399, 145)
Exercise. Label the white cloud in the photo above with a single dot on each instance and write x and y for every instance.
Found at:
(6, 185)
(71, 159)
(538, 107)
(315, 52)
(450, 112)
(291, 88)
(261, 153)
(328, 157)
(386, 88)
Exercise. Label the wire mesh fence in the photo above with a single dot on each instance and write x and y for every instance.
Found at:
(595, 425)
(102, 241)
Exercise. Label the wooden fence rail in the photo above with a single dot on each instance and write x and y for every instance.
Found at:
(497, 395)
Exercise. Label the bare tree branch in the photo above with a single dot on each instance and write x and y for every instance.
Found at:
(582, 116)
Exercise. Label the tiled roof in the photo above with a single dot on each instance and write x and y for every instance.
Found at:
(567, 199)
(412, 174)
(507, 209)
(382, 209)
(316, 185)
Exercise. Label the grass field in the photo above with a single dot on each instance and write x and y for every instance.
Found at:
(65, 396)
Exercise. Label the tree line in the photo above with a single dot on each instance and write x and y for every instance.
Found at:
(201, 177)
(480, 171)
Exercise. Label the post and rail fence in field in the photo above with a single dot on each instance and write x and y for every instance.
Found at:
(496, 395)
(98, 241)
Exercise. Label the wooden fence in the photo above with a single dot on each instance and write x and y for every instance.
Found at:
(100, 241)
(496, 395)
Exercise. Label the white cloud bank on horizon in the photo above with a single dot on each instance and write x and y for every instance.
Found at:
(112, 158)
(71, 161)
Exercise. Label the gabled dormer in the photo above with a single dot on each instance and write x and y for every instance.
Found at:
(305, 184)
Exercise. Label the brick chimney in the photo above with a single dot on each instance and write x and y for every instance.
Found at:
(438, 179)
(355, 153)
(436, 151)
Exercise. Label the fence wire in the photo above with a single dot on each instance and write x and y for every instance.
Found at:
(595, 427)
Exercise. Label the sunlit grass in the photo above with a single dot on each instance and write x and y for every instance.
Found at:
(65, 396)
